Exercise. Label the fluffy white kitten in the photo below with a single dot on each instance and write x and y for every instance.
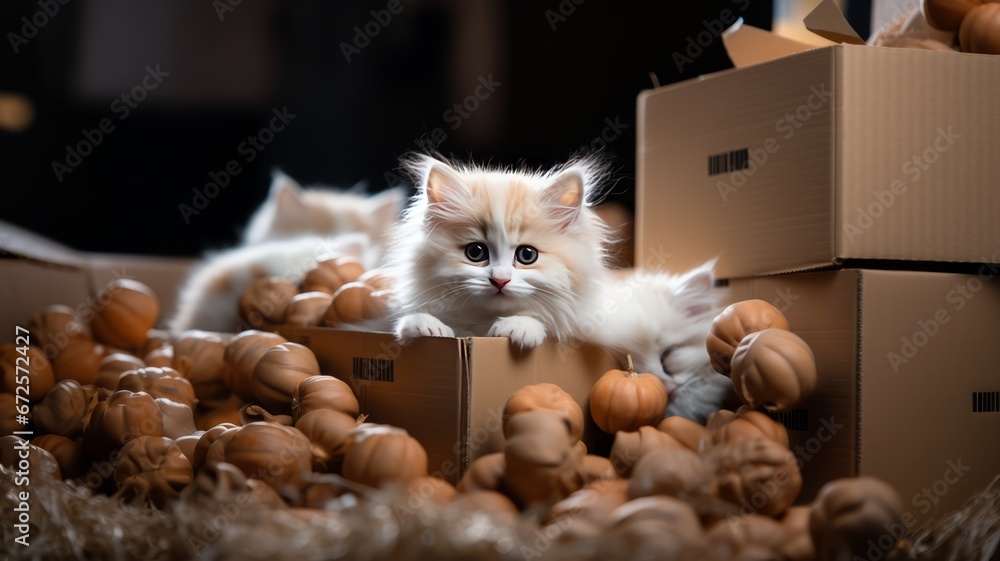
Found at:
(285, 237)
(662, 320)
(484, 252)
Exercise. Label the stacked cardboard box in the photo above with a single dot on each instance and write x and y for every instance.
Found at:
(867, 170)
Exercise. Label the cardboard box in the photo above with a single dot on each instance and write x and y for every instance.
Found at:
(449, 393)
(834, 155)
(908, 388)
(36, 272)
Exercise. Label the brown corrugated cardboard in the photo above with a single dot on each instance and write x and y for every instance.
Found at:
(449, 393)
(838, 153)
(36, 272)
(908, 390)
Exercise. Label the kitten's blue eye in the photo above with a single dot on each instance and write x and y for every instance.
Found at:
(526, 255)
(476, 252)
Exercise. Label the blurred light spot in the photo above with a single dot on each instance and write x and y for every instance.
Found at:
(16, 112)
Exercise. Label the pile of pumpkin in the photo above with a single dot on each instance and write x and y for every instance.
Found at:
(976, 22)
(971, 26)
(123, 408)
(337, 291)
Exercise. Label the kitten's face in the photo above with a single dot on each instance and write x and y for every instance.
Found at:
(504, 245)
(495, 244)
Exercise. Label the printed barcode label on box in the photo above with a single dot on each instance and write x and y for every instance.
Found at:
(796, 419)
(985, 402)
(726, 162)
(373, 369)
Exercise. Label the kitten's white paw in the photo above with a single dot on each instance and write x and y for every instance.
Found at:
(421, 325)
(527, 332)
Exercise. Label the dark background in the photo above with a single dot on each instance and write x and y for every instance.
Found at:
(230, 66)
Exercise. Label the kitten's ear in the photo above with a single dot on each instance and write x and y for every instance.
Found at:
(694, 290)
(564, 196)
(443, 184)
(286, 196)
(386, 206)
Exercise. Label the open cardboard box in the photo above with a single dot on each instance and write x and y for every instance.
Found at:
(36, 272)
(908, 389)
(805, 157)
(449, 393)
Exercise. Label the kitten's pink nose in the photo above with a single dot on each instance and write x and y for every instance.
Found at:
(671, 386)
(499, 283)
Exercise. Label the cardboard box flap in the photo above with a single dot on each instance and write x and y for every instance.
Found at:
(747, 45)
(827, 21)
(19, 242)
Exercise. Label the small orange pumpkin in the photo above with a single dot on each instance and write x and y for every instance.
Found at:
(241, 356)
(743, 466)
(266, 301)
(330, 274)
(746, 423)
(329, 431)
(308, 308)
(152, 468)
(188, 442)
(80, 361)
(947, 15)
(689, 433)
(119, 419)
(159, 382)
(542, 463)
(323, 392)
(850, 514)
(980, 31)
(69, 453)
(198, 356)
(112, 368)
(624, 400)
(205, 442)
(124, 314)
(279, 372)
(736, 322)
(485, 473)
(178, 419)
(677, 472)
(55, 327)
(66, 409)
(279, 455)
(545, 396)
(774, 369)
(356, 302)
(380, 454)
(629, 447)
(216, 452)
